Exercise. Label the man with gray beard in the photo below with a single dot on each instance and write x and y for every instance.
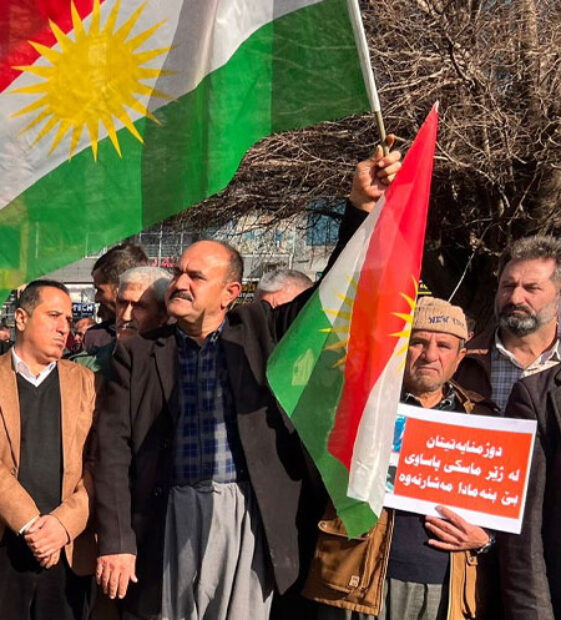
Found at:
(525, 339)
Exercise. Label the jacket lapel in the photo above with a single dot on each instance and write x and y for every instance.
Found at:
(554, 397)
(232, 342)
(165, 354)
(69, 404)
(9, 405)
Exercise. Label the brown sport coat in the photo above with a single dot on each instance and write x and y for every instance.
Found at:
(16, 506)
(350, 573)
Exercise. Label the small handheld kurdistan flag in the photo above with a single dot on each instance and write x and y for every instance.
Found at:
(115, 114)
(338, 371)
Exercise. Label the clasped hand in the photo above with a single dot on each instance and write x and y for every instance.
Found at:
(45, 537)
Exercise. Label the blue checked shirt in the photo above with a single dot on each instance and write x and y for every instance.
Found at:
(506, 369)
(207, 445)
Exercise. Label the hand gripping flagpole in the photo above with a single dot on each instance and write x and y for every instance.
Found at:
(367, 71)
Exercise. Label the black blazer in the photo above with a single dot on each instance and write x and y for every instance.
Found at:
(530, 563)
(135, 432)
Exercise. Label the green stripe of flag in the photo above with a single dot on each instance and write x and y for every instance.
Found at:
(309, 380)
(82, 206)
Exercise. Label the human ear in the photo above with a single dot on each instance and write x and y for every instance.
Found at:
(20, 319)
(231, 292)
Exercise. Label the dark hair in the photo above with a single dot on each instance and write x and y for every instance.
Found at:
(31, 295)
(471, 323)
(542, 247)
(118, 260)
(235, 267)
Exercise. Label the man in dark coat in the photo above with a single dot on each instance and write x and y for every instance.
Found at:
(201, 478)
(530, 563)
(525, 340)
(105, 273)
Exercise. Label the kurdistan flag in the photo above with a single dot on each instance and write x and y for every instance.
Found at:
(115, 114)
(338, 370)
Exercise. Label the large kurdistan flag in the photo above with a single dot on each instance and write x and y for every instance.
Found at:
(338, 371)
(115, 114)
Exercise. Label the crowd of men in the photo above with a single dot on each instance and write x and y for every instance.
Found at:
(157, 459)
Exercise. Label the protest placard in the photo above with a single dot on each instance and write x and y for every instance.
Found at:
(476, 465)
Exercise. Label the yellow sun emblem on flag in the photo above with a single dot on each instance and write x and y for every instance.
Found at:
(408, 318)
(94, 78)
(342, 325)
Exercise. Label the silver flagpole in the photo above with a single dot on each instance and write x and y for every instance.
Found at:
(366, 66)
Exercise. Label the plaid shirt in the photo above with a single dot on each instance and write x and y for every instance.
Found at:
(448, 402)
(207, 445)
(506, 370)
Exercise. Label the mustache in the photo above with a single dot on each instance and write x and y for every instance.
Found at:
(510, 308)
(181, 295)
(430, 365)
(127, 325)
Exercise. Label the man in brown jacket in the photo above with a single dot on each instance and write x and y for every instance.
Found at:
(410, 567)
(47, 553)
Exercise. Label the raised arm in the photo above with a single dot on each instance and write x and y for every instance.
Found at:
(371, 179)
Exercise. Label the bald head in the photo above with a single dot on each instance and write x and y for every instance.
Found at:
(233, 259)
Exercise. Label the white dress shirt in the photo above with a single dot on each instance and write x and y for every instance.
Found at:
(23, 369)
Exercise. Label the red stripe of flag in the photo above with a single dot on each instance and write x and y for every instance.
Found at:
(393, 259)
(25, 20)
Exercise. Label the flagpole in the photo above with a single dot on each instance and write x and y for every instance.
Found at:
(367, 70)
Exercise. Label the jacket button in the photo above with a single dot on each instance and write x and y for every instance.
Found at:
(157, 491)
(13, 471)
(166, 444)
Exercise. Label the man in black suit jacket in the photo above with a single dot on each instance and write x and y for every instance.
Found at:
(530, 563)
(142, 425)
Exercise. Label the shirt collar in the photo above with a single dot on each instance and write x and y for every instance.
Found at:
(186, 340)
(552, 354)
(23, 369)
(447, 401)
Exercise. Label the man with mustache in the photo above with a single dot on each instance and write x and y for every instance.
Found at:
(526, 339)
(140, 303)
(80, 329)
(47, 550)
(105, 273)
(206, 495)
(139, 308)
(408, 566)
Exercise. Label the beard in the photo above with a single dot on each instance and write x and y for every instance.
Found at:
(519, 320)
